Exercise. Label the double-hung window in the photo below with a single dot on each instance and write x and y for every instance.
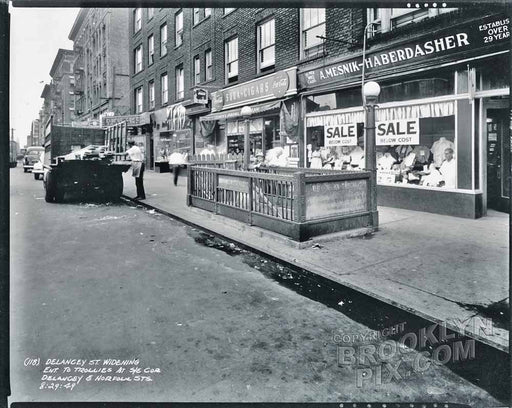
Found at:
(208, 64)
(178, 24)
(151, 13)
(164, 83)
(163, 40)
(266, 44)
(138, 100)
(180, 83)
(312, 26)
(231, 58)
(151, 49)
(137, 19)
(197, 16)
(151, 94)
(138, 58)
(197, 70)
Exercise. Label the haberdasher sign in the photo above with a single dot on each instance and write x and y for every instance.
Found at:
(397, 132)
(341, 135)
(481, 34)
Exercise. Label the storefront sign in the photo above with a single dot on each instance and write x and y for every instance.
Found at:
(341, 135)
(200, 96)
(398, 132)
(272, 86)
(477, 35)
(387, 176)
(131, 120)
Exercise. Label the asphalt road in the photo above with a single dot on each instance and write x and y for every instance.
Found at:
(92, 281)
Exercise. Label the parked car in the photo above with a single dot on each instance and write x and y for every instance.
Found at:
(38, 169)
(31, 156)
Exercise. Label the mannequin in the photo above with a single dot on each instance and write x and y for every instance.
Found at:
(438, 149)
(386, 161)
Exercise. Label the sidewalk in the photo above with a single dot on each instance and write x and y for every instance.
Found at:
(441, 268)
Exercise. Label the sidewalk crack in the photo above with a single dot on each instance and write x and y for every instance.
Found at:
(425, 291)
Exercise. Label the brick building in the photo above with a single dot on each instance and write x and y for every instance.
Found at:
(101, 65)
(35, 133)
(237, 57)
(59, 98)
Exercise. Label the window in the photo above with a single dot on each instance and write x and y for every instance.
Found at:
(151, 94)
(197, 70)
(207, 12)
(387, 19)
(228, 10)
(138, 100)
(137, 19)
(197, 17)
(313, 25)
(209, 65)
(232, 60)
(151, 49)
(138, 59)
(180, 83)
(151, 13)
(163, 40)
(266, 44)
(164, 88)
(178, 20)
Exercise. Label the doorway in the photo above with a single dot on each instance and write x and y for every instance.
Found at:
(498, 160)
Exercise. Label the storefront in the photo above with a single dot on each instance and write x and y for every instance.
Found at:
(442, 122)
(273, 121)
(172, 132)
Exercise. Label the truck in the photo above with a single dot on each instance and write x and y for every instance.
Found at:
(78, 163)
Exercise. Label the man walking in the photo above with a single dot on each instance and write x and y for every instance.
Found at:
(176, 161)
(137, 159)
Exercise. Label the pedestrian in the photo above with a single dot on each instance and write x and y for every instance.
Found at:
(137, 159)
(176, 160)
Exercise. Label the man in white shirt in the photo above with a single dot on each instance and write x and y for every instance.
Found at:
(137, 159)
(448, 169)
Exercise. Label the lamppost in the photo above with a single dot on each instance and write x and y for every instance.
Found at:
(371, 91)
(246, 114)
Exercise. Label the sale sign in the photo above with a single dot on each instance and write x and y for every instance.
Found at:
(397, 132)
(341, 135)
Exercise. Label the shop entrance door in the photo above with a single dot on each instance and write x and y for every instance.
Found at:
(498, 160)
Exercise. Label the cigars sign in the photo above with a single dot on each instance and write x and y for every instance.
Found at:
(274, 86)
(481, 34)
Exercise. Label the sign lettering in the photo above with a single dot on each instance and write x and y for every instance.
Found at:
(398, 132)
(341, 135)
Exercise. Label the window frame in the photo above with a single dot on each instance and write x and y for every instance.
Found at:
(208, 68)
(151, 49)
(137, 20)
(197, 70)
(317, 49)
(178, 33)
(151, 93)
(196, 12)
(180, 91)
(229, 11)
(260, 50)
(209, 12)
(228, 62)
(163, 44)
(164, 101)
(152, 13)
(139, 97)
(138, 59)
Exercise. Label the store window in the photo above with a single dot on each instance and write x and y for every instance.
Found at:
(197, 70)
(235, 135)
(266, 45)
(387, 19)
(231, 53)
(163, 40)
(138, 58)
(180, 83)
(312, 26)
(151, 94)
(137, 19)
(151, 49)
(178, 24)
(209, 64)
(138, 100)
(164, 83)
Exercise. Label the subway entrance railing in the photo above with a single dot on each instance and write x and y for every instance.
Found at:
(298, 203)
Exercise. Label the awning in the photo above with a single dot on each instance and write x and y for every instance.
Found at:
(237, 113)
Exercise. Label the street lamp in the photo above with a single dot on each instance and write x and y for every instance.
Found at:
(371, 91)
(246, 114)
